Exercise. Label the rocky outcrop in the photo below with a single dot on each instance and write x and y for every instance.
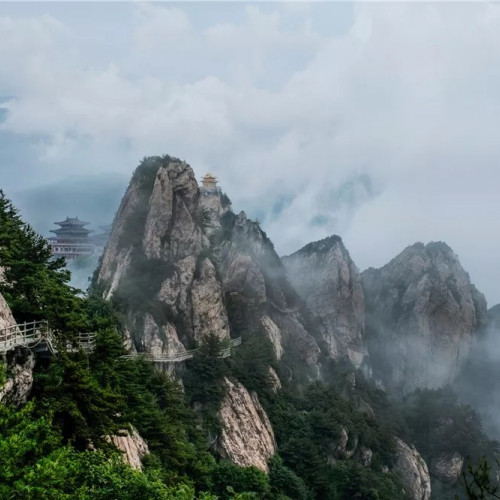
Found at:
(181, 265)
(422, 315)
(155, 256)
(275, 382)
(247, 437)
(132, 445)
(448, 467)
(209, 310)
(20, 362)
(346, 447)
(325, 276)
(365, 456)
(6, 318)
(413, 470)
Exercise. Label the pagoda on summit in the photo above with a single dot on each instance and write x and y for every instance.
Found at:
(71, 240)
(209, 184)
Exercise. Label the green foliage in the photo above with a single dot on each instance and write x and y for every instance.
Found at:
(251, 361)
(35, 285)
(439, 424)
(229, 479)
(82, 409)
(478, 481)
(78, 400)
(353, 481)
(204, 380)
(224, 200)
(34, 465)
(308, 428)
(284, 481)
(3, 373)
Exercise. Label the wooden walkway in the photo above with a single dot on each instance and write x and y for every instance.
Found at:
(185, 355)
(37, 335)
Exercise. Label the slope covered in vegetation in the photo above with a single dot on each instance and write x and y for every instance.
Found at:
(56, 446)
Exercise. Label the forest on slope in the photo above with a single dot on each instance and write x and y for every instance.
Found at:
(55, 444)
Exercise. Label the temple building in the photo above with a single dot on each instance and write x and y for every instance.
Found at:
(71, 240)
(209, 184)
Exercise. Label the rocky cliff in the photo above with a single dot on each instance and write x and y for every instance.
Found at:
(6, 318)
(247, 437)
(132, 445)
(17, 387)
(422, 316)
(19, 363)
(325, 276)
(181, 265)
(413, 470)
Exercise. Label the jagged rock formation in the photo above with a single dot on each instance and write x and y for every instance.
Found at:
(247, 437)
(448, 467)
(413, 470)
(182, 265)
(324, 274)
(20, 362)
(132, 445)
(422, 315)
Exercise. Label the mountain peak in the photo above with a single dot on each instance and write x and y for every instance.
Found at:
(321, 246)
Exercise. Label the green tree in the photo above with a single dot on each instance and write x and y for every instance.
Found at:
(478, 481)
(204, 380)
(83, 410)
(35, 285)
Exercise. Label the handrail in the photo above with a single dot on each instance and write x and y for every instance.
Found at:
(31, 334)
(183, 356)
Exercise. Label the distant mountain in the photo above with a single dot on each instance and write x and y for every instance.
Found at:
(423, 316)
(94, 198)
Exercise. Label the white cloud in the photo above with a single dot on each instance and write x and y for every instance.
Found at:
(160, 27)
(289, 118)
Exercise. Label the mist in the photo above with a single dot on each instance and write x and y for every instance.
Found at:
(477, 383)
(377, 122)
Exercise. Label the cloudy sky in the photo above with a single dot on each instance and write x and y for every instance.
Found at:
(376, 121)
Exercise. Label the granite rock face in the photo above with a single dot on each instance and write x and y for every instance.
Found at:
(133, 447)
(181, 265)
(156, 255)
(413, 470)
(6, 318)
(422, 316)
(324, 274)
(20, 362)
(247, 437)
(448, 467)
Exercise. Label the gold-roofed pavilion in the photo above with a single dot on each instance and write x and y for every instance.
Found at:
(209, 182)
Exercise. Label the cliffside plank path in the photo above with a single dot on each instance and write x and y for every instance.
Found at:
(185, 355)
(38, 336)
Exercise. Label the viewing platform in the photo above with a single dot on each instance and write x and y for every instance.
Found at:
(37, 336)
